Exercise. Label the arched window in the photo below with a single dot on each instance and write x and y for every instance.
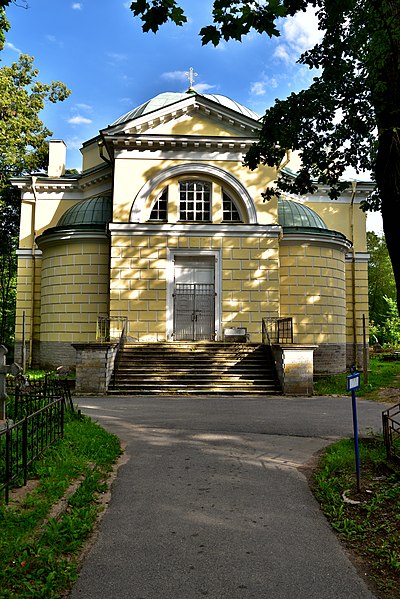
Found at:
(229, 211)
(194, 200)
(159, 210)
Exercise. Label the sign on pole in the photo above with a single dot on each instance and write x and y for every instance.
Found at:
(353, 383)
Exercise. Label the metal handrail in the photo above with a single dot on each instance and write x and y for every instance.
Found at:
(391, 431)
(120, 347)
(277, 330)
(109, 328)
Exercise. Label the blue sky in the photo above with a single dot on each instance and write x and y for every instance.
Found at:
(97, 48)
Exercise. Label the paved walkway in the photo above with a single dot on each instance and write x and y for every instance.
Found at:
(212, 502)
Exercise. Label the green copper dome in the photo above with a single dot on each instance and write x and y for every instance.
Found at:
(168, 98)
(94, 211)
(294, 214)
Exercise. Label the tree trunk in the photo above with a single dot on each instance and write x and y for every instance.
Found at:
(388, 180)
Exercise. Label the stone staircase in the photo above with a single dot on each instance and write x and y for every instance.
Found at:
(202, 368)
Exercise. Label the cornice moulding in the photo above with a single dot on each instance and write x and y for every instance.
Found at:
(196, 230)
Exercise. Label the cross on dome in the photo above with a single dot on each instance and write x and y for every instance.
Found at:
(191, 75)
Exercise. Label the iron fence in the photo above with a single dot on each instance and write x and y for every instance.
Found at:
(23, 442)
(26, 396)
(391, 432)
(277, 331)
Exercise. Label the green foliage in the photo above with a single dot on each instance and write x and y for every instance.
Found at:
(381, 374)
(370, 527)
(380, 277)
(38, 557)
(23, 149)
(232, 19)
(386, 331)
(23, 136)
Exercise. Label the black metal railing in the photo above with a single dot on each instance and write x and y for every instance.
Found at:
(391, 432)
(120, 347)
(277, 330)
(29, 395)
(110, 329)
(23, 442)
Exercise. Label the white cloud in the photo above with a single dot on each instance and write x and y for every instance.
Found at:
(12, 47)
(117, 56)
(73, 143)
(301, 31)
(85, 107)
(77, 6)
(79, 120)
(282, 52)
(258, 88)
(174, 75)
(374, 222)
(203, 87)
(126, 100)
(183, 76)
(53, 40)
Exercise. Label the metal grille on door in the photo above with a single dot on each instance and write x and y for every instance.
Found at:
(194, 305)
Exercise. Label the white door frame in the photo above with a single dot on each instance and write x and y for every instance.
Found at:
(171, 255)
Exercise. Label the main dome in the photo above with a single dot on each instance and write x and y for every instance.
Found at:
(168, 98)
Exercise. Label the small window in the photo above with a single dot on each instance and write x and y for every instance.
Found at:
(195, 200)
(159, 210)
(229, 211)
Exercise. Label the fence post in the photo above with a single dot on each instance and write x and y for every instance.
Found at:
(25, 448)
(8, 454)
(62, 418)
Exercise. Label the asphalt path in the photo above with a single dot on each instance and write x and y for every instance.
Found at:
(212, 500)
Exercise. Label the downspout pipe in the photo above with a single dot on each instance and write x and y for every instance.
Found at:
(285, 162)
(102, 146)
(353, 271)
(33, 233)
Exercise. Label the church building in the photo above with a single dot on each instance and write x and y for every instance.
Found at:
(166, 230)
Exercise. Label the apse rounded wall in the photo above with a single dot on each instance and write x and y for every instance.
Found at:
(313, 284)
(74, 291)
(313, 293)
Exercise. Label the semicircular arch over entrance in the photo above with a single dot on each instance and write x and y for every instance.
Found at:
(193, 168)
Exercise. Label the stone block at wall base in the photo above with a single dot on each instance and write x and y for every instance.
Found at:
(53, 354)
(94, 366)
(295, 368)
(330, 358)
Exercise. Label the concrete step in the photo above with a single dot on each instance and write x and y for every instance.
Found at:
(194, 369)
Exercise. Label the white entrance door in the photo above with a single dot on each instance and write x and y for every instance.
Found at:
(194, 298)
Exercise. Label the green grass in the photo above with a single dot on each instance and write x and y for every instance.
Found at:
(40, 560)
(382, 374)
(370, 528)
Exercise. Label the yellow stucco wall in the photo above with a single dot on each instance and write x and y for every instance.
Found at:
(27, 266)
(345, 218)
(74, 289)
(38, 216)
(357, 300)
(313, 292)
(193, 125)
(138, 281)
(132, 175)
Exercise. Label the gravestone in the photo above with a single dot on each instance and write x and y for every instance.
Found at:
(13, 369)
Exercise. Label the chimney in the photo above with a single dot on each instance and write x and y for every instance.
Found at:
(57, 157)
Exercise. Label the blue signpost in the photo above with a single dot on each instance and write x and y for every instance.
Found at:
(353, 383)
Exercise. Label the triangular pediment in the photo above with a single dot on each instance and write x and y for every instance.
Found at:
(193, 115)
